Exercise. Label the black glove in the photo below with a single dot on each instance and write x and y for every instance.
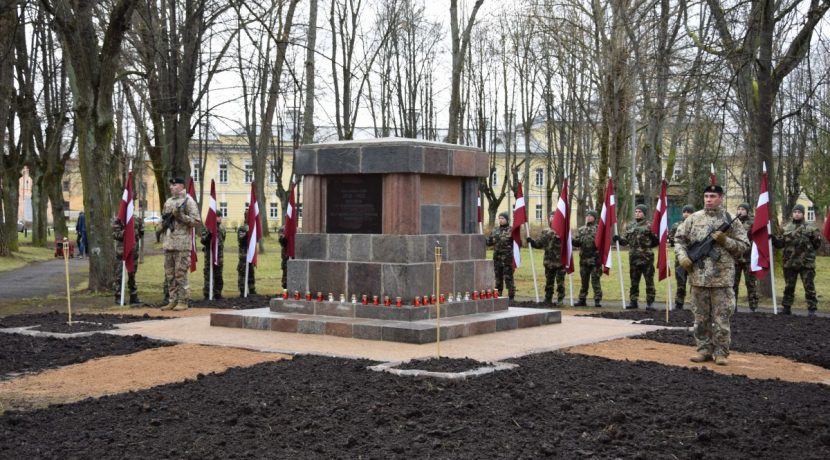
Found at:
(529, 241)
(616, 238)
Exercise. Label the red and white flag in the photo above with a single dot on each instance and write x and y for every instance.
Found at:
(254, 228)
(125, 215)
(212, 226)
(290, 229)
(519, 219)
(712, 178)
(660, 227)
(826, 230)
(759, 262)
(191, 190)
(605, 229)
(561, 224)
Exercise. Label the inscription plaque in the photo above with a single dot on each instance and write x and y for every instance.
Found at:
(354, 204)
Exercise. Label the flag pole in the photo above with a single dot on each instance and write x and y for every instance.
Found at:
(532, 264)
(771, 258)
(210, 261)
(668, 261)
(123, 260)
(619, 259)
(247, 265)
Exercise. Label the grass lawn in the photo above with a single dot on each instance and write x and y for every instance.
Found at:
(26, 254)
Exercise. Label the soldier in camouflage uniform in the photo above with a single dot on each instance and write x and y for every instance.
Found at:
(640, 241)
(242, 238)
(284, 254)
(680, 274)
(711, 277)
(118, 236)
(502, 241)
(590, 269)
(178, 243)
(554, 270)
(800, 241)
(742, 262)
(218, 279)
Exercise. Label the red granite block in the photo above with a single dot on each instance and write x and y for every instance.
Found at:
(226, 320)
(451, 219)
(530, 320)
(481, 327)
(283, 325)
(401, 206)
(464, 163)
(339, 329)
(445, 191)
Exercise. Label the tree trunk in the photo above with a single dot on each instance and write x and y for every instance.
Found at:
(39, 204)
(459, 51)
(308, 121)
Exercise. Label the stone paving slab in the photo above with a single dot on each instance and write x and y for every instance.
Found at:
(574, 330)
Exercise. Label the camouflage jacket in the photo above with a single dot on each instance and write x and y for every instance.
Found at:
(719, 269)
(552, 244)
(185, 218)
(743, 259)
(800, 241)
(639, 239)
(584, 240)
(502, 241)
(118, 236)
(206, 237)
(283, 246)
(242, 239)
(673, 231)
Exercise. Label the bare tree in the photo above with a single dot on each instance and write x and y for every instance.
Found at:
(11, 161)
(460, 41)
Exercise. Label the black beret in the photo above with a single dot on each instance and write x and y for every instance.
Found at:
(714, 189)
(177, 180)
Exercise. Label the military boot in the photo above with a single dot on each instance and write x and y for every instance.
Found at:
(169, 306)
(597, 304)
(678, 306)
(633, 305)
(548, 299)
(580, 303)
(721, 360)
(700, 358)
(811, 312)
(181, 306)
(650, 308)
(134, 300)
(786, 311)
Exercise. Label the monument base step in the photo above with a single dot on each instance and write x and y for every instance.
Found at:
(418, 332)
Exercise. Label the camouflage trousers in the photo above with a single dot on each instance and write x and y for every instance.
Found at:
(176, 265)
(681, 276)
(131, 290)
(592, 273)
(646, 271)
(284, 266)
(749, 280)
(240, 281)
(808, 278)
(555, 276)
(712, 309)
(504, 275)
(218, 279)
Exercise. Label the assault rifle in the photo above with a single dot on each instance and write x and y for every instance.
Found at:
(168, 219)
(704, 248)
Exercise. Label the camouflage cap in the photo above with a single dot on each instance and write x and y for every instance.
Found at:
(688, 208)
(799, 207)
(745, 206)
(642, 208)
(592, 213)
(506, 215)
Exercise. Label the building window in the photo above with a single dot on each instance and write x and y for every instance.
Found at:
(811, 214)
(540, 177)
(66, 186)
(273, 177)
(249, 172)
(66, 206)
(299, 210)
(273, 211)
(494, 177)
(223, 209)
(223, 172)
(194, 172)
(538, 212)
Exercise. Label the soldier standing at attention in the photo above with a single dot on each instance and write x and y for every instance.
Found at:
(680, 274)
(640, 240)
(589, 267)
(554, 270)
(800, 241)
(711, 278)
(502, 241)
(181, 215)
(118, 236)
(218, 279)
(284, 254)
(742, 262)
(242, 238)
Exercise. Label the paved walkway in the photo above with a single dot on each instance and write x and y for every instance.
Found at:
(574, 330)
(40, 279)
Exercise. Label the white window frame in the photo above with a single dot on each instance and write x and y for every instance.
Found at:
(494, 177)
(811, 214)
(539, 177)
(273, 211)
(223, 209)
(272, 173)
(539, 212)
(248, 170)
(223, 169)
(194, 171)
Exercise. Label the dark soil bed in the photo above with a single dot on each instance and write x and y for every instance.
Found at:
(234, 303)
(23, 353)
(553, 405)
(442, 364)
(57, 322)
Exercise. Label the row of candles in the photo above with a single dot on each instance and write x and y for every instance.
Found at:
(387, 301)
